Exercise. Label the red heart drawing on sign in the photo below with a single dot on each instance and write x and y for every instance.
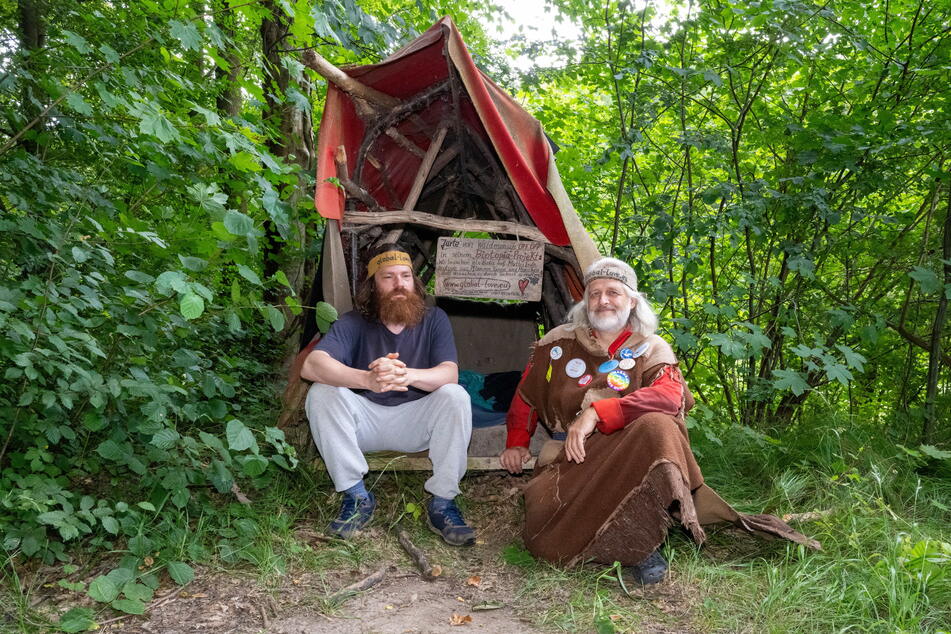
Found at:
(523, 284)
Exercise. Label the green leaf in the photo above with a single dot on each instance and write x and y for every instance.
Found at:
(191, 306)
(102, 589)
(246, 162)
(238, 223)
(110, 524)
(138, 276)
(934, 452)
(275, 317)
(129, 606)
(193, 264)
(852, 358)
(111, 450)
(790, 380)
(186, 33)
(249, 275)
(77, 620)
(156, 124)
(140, 545)
(838, 372)
(253, 465)
(927, 279)
(281, 278)
(293, 305)
(233, 321)
(169, 281)
(517, 556)
(239, 436)
(181, 573)
(166, 438)
(77, 41)
(221, 232)
(729, 346)
(326, 312)
(137, 591)
(77, 103)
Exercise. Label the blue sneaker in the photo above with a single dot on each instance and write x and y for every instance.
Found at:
(355, 513)
(651, 570)
(445, 519)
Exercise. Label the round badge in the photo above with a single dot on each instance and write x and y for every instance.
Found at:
(626, 364)
(607, 366)
(640, 350)
(627, 353)
(585, 380)
(618, 380)
(575, 368)
(556, 353)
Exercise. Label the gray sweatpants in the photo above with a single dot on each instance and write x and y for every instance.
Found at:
(345, 425)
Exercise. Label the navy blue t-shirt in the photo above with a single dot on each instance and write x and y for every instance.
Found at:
(356, 342)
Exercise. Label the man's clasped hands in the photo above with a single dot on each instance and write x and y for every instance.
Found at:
(389, 374)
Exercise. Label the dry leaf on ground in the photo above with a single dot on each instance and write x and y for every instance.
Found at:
(460, 619)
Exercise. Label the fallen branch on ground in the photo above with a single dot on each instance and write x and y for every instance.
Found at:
(418, 557)
(359, 586)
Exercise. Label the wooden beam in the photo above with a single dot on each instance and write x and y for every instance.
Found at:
(443, 160)
(345, 82)
(388, 217)
(405, 143)
(422, 175)
(391, 461)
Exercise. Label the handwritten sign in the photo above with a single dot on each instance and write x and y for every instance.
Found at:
(498, 269)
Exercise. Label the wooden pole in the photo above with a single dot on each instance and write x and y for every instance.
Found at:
(346, 83)
(423, 173)
(384, 217)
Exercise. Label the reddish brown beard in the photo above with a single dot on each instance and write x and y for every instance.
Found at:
(404, 311)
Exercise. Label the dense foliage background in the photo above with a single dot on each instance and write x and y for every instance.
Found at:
(777, 172)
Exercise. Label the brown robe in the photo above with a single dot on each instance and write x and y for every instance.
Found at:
(618, 504)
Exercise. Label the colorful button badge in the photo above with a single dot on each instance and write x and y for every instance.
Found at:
(618, 380)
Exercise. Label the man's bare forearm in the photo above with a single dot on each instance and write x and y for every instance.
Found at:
(320, 367)
(431, 379)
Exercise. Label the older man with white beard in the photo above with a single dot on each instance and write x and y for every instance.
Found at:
(619, 469)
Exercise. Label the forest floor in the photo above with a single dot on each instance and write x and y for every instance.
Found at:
(491, 587)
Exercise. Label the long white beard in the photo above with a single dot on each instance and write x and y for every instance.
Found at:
(609, 322)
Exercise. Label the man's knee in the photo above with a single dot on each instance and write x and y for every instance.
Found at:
(452, 393)
(319, 393)
(658, 423)
(320, 398)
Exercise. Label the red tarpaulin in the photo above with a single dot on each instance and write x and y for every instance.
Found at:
(489, 112)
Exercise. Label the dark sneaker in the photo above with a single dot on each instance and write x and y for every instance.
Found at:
(651, 570)
(355, 513)
(446, 521)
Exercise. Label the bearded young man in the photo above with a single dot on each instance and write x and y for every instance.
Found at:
(619, 470)
(386, 378)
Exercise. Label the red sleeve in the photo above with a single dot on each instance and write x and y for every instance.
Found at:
(521, 419)
(665, 395)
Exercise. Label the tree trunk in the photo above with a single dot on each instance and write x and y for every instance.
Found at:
(934, 354)
(32, 36)
(228, 97)
(292, 139)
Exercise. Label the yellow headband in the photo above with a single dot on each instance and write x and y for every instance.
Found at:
(388, 258)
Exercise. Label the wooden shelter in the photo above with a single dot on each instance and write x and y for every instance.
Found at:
(424, 145)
